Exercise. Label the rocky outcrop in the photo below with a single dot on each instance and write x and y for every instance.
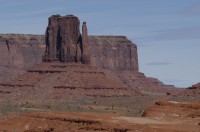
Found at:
(51, 39)
(174, 110)
(115, 55)
(65, 80)
(64, 42)
(18, 53)
(193, 91)
(113, 52)
(86, 46)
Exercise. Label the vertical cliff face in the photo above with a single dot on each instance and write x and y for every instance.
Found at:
(63, 39)
(86, 46)
(51, 39)
(18, 53)
(65, 43)
(69, 39)
(113, 52)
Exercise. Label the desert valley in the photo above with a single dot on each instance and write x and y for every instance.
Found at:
(69, 81)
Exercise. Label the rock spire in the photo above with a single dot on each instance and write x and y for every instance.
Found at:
(86, 47)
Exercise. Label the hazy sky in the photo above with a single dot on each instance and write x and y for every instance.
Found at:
(167, 32)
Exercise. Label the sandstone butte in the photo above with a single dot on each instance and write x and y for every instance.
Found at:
(73, 63)
(65, 43)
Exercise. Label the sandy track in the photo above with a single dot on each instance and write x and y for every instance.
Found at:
(65, 121)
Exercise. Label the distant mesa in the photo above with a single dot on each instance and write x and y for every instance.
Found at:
(107, 65)
(64, 42)
(193, 91)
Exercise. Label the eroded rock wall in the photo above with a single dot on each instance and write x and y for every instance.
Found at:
(65, 43)
(113, 52)
(63, 39)
(20, 52)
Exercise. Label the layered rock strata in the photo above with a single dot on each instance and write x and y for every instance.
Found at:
(55, 80)
(192, 91)
(111, 70)
(104, 51)
(18, 53)
(65, 43)
(22, 47)
(111, 52)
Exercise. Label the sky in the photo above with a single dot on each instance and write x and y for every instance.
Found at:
(167, 32)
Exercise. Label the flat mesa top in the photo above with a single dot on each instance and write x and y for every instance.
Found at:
(66, 16)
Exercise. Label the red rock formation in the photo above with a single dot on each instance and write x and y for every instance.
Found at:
(174, 110)
(113, 52)
(69, 39)
(63, 39)
(65, 80)
(194, 90)
(51, 39)
(18, 53)
(85, 45)
(64, 43)
(26, 51)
